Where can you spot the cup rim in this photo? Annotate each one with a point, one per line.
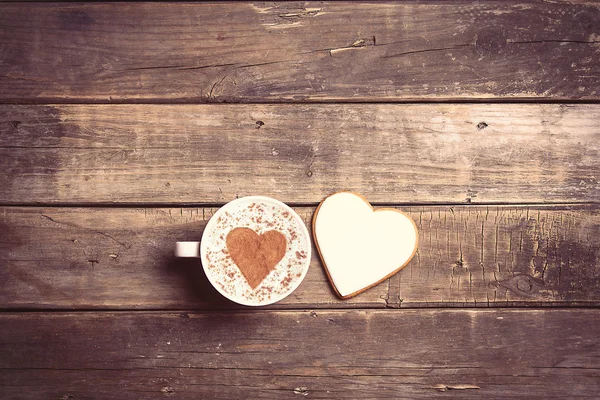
(211, 225)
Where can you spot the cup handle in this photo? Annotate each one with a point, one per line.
(187, 249)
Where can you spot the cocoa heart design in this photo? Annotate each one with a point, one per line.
(359, 246)
(255, 255)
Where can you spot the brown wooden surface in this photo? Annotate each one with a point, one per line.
(182, 154)
(550, 354)
(113, 258)
(493, 152)
(299, 51)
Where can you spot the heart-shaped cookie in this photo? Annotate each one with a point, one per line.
(255, 255)
(359, 246)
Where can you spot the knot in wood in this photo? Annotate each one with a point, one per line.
(492, 42)
(585, 21)
(524, 285)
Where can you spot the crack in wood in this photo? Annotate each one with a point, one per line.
(87, 229)
(427, 50)
(25, 78)
(179, 67)
(307, 12)
(265, 63)
(443, 387)
(552, 41)
(210, 94)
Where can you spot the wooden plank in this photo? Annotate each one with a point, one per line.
(299, 51)
(194, 154)
(502, 256)
(123, 258)
(550, 354)
(475, 256)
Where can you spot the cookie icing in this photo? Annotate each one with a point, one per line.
(360, 246)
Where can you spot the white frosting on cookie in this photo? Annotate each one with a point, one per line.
(361, 247)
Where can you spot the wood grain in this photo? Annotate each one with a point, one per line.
(299, 51)
(94, 196)
(474, 256)
(89, 258)
(502, 256)
(199, 154)
(551, 354)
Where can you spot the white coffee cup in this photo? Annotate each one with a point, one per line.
(260, 214)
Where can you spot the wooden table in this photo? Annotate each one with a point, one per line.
(124, 126)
